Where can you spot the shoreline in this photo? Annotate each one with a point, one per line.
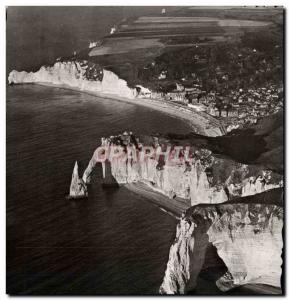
(201, 122)
(174, 207)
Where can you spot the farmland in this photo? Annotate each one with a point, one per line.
(138, 42)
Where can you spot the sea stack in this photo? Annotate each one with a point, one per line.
(78, 188)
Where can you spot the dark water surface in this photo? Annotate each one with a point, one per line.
(113, 243)
(37, 35)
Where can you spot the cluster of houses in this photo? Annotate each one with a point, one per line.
(237, 108)
(219, 93)
(246, 106)
(180, 94)
(243, 106)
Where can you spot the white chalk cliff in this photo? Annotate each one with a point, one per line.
(181, 180)
(248, 238)
(72, 74)
(187, 180)
(86, 76)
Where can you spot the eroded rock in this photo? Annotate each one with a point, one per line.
(203, 178)
(77, 187)
(247, 236)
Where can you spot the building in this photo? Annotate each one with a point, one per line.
(163, 75)
(113, 30)
(94, 44)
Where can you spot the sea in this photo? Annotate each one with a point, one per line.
(115, 242)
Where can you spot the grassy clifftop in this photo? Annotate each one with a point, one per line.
(260, 145)
(135, 44)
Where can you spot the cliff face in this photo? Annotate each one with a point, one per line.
(87, 76)
(178, 180)
(195, 179)
(245, 230)
(247, 236)
(188, 181)
(74, 74)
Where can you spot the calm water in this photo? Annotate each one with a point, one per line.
(38, 35)
(113, 243)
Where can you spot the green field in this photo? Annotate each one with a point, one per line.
(137, 42)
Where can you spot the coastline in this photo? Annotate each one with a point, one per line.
(196, 120)
(175, 207)
(202, 123)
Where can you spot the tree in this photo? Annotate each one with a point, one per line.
(228, 107)
(219, 106)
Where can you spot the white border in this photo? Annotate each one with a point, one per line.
(3, 99)
(148, 3)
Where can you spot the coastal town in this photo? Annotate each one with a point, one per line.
(237, 109)
(236, 79)
(144, 150)
(237, 82)
(238, 93)
(243, 86)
